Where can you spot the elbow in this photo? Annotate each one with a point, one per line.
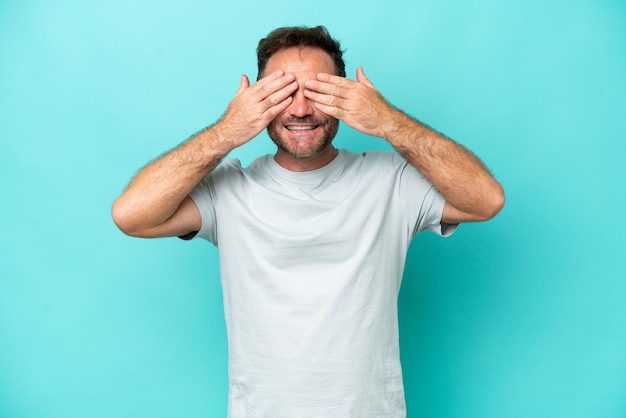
(494, 203)
(122, 218)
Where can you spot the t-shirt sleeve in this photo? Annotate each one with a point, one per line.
(205, 197)
(424, 203)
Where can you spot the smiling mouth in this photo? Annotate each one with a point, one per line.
(300, 128)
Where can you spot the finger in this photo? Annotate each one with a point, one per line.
(273, 111)
(324, 99)
(326, 87)
(334, 79)
(271, 84)
(332, 111)
(362, 78)
(282, 94)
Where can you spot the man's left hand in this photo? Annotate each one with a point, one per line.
(357, 103)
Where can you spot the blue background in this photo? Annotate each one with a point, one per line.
(523, 316)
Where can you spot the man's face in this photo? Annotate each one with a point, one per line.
(302, 131)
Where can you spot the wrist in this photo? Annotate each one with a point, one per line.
(205, 149)
(220, 139)
(398, 127)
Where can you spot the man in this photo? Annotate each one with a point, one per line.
(312, 240)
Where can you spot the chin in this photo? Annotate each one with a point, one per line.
(301, 145)
(305, 149)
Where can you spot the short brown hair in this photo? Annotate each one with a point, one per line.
(294, 36)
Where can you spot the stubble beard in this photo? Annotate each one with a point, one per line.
(329, 126)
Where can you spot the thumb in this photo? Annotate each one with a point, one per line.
(245, 83)
(361, 78)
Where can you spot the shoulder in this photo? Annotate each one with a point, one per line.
(232, 167)
(377, 159)
(230, 173)
(227, 165)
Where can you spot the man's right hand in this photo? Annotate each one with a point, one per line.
(254, 107)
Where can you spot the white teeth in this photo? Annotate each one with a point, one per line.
(299, 128)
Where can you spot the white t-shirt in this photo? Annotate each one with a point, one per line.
(311, 265)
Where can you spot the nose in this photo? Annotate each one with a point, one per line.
(300, 106)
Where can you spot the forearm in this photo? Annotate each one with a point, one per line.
(157, 191)
(457, 173)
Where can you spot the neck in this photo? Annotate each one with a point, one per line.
(300, 164)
